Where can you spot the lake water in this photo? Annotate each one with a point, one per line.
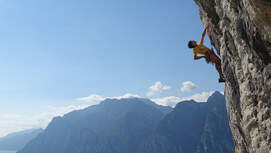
(7, 151)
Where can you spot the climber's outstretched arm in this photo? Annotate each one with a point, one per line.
(198, 57)
(203, 35)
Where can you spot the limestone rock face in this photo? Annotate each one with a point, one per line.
(241, 33)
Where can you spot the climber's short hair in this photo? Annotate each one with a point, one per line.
(190, 44)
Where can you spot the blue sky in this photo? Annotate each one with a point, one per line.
(55, 51)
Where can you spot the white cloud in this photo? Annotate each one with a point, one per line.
(92, 99)
(188, 86)
(172, 100)
(167, 101)
(128, 95)
(96, 99)
(158, 87)
(199, 97)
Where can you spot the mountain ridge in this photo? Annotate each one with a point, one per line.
(126, 125)
(190, 128)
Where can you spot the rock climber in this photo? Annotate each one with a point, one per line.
(207, 53)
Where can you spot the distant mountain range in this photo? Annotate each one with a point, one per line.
(18, 140)
(139, 126)
(193, 128)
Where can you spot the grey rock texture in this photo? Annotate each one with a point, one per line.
(241, 34)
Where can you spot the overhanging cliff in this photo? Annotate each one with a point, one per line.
(241, 33)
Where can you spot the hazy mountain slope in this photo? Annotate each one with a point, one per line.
(164, 109)
(193, 128)
(18, 140)
(114, 126)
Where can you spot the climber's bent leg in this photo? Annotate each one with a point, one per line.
(216, 60)
(218, 68)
